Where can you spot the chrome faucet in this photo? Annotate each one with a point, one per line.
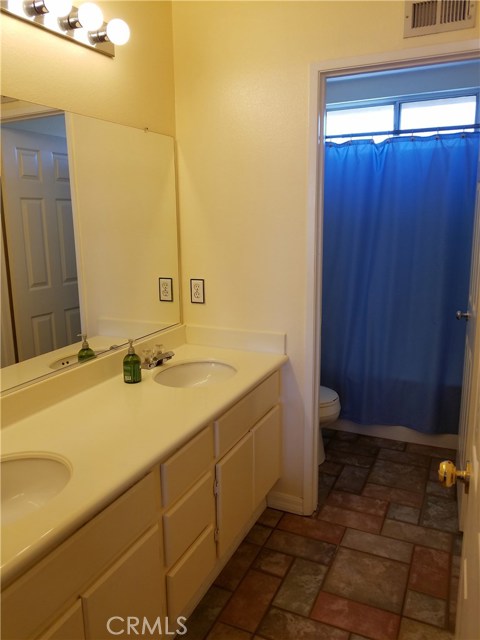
(156, 357)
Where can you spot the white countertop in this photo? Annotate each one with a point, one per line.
(111, 435)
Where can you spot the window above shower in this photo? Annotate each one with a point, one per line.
(420, 117)
(442, 98)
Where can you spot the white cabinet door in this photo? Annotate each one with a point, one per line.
(267, 454)
(69, 625)
(132, 588)
(234, 475)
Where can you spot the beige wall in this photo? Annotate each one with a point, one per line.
(135, 88)
(242, 92)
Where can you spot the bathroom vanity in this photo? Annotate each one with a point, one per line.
(165, 481)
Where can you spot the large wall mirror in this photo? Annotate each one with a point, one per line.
(89, 237)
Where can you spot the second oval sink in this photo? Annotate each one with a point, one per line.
(195, 374)
(28, 483)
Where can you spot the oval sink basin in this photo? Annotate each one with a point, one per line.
(28, 483)
(195, 374)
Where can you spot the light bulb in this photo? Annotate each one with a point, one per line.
(90, 16)
(17, 7)
(58, 8)
(118, 31)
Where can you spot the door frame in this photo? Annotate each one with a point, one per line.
(319, 72)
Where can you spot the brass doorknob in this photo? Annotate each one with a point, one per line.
(448, 473)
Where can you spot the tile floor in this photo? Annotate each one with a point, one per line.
(378, 560)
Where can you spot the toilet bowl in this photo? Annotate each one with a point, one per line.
(328, 412)
(328, 406)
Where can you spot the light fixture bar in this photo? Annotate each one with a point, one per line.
(69, 27)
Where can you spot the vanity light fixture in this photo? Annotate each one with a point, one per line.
(88, 16)
(57, 8)
(85, 25)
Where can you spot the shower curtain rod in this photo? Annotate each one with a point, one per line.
(404, 132)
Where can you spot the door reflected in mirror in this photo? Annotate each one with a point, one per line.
(89, 225)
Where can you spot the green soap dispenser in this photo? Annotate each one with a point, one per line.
(132, 370)
(85, 352)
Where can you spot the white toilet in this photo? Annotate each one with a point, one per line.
(328, 412)
(328, 406)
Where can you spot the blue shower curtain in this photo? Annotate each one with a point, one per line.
(398, 219)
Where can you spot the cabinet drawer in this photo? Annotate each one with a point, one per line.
(267, 452)
(186, 520)
(190, 572)
(234, 424)
(184, 468)
(44, 589)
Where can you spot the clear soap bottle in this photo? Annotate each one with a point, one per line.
(132, 370)
(85, 352)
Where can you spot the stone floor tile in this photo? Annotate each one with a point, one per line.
(224, 632)
(290, 543)
(301, 586)
(359, 446)
(363, 504)
(272, 562)
(332, 468)
(249, 603)
(270, 517)
(354, 459)
(258, 534)
(430, 571)
(405, 457)
(440, 513)
(455, 566)
(312, 528)
(355, 617)
(457, 544)
(452, 603)
(363, 577)
(385, 443)
(353, 519)
(403, 513)
(201, 620)
(434, 452)
(401, 496)
(400, 476)
(346, 435)
(435, 488)
(425, 608)
(238, 565)
(413, 630)
(352, 479)
(325, 485)
(285, 625)
(378, 545)
(419, 535)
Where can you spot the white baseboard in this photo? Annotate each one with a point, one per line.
(444, 440)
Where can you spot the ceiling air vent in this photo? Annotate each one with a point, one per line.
(434, 16)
